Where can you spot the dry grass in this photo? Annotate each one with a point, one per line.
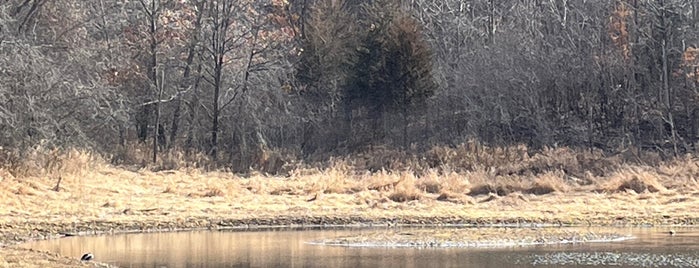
(140, 155)
(334, 180)
(430, 185)
(548, 183)
(557, 186)
(636, 179)
(41, 162)
(405, 189)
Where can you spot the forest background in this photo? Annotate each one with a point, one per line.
(267, 84)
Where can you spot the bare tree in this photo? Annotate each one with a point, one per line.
(152, 9)
(232, 31)
(187, 77)
(49, 96)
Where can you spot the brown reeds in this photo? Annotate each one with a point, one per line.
(443, 174)
(635, 178)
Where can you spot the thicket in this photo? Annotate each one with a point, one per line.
(371, 67)
(257, 84)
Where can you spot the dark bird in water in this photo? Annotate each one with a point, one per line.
(87, 256)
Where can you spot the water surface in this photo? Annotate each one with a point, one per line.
(290, 248)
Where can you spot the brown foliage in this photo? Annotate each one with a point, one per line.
(618, 29)
(500, 190)
(637, 186)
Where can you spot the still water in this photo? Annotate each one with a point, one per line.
(290, 248)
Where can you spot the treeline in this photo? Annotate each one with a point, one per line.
(238, 80)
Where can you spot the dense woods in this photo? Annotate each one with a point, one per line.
(253, 83)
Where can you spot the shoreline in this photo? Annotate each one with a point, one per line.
(14, 233)
(14, 254)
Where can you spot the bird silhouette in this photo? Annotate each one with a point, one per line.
(87, 256)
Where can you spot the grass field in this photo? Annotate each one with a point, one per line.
(556, 186)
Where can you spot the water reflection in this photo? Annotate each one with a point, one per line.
(288, 248)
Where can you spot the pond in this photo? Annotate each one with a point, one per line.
(295, 248)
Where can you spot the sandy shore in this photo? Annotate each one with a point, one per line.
(105, 199)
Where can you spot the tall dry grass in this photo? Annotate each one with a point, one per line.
(262, 159)
(442, 173)
(141, 155)
(43, 162)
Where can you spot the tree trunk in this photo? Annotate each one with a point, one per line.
(405, 126)
(187, 73)
(152, 71)
(158, 132)
(347, 113)
(216, 112)
(666, 97)
(175, 125)
(665, 94)
(491, 22)
(142, 118)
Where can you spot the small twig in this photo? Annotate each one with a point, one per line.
(58, 184)
(173, 97)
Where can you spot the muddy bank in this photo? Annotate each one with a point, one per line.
(20, 257)
(12, 233)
